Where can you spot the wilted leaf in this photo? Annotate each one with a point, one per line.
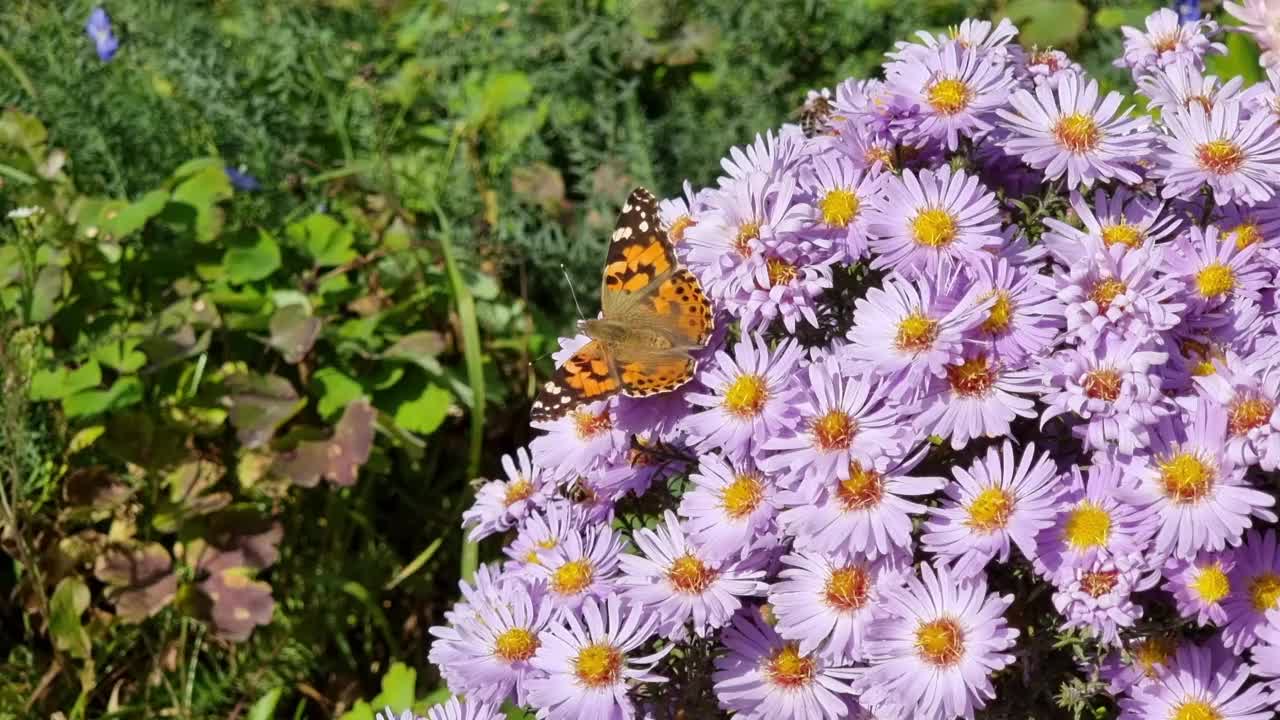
(294, 331)
(237, 538)
(337, 459)
(251, 257)
(420, 348)
(259, 405)
(188, 486)
(179, 344)
(321, 237)
(234, 603)
(94, 487)
(141, 579)
(540, 185)
(70, 600)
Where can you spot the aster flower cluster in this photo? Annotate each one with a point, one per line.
(996, 359)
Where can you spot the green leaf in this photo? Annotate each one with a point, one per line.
(125, 392)
(134, 216)
(58, 383)
(322, 238)
(504, 91)
(251, 257)
(293, 331)
(398, 686)
(121, 355)
(1241, 60)
(201, 192)
(419, 406)
(336, 391)
(265, 707)
(44, 296)
(1048, 22)
(70, 600)
(1113, 18)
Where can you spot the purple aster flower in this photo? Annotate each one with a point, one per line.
(485, 651)
(1250, 393)
(868, 513)
(749, 398)
(728, 508)
(539, 534)
(500, 504)
(1179, 86)
(933, 221)
(468, 709)
(583, 565)
(763, 676)
(1200, 585)
(1168, 42)
(935, 651)
(980, 398)
(586, 664)
(1095, 521)
(990, 41)
(1120, 291)
(1261, 19)
(826, 602)
(786, 286)
(583, 440)
(680, 213)
(1255, 589)
(242, 180)
(1247, 225)
(1200, 497)
(1143, 661)
(770, 154)
(1266, 654)
(998, 499)
(678, 582)
(1111, 385)
(1023, 319)
(1122, 218)
(908, 332)
(843, 418)
(955, 88)
(1201, 684)
(1047, 67)
(1239, 159)
(842, 195)
(1073, 135)
(1213, 270)
(98, 28)
(1097, 597)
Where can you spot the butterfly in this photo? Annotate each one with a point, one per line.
(654, 316)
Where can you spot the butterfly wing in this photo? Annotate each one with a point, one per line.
(640, 256)
(588, 375)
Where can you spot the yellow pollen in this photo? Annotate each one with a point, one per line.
(839, 207)
(990, 511)
(1001, 316)
(1204, 368)
(519, 490)
(880, 154)
(1105, 291)
(1186, 478)
(916, 333)
(847, 588)
(516, 645)
(591, 424)
(742, 496)
(1099, 582)
(940, 642)
(781, 272)
(572, 577)
(598, 665)
(934, 228)
(746, 233)
(689, 575)
(1215, 279)
(1154, 651)
(746, 396)
(1220, 157)
(532, 558)
(682, 223)
(971, 378)
(1103, 384)
(863, 489)
(1246, 234)
(1264, 591)
(789, 669)
(1124, 234)
(548, 544)
(834, 431)
(1088, 526)
(1196, 710)
(1077, 132)
(1247, 413)
(1211, 583)
(949, 96)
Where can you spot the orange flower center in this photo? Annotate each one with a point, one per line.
(915, 333)
(1264, 591)
(1104, 291)
(848, 588)
(519, 490)
(780, 272)
(1077, 132)
(834, 431)
(747, 232)
(591, 424)
(690, 575)
(598, 665)
(997, 323)
(1186, 478)
(1246, 234)
(863, 489)
(789, 669)
(742, 496)
(516, 645)
(1103, 384)
(940, 642)
(1152, 652)
(1221, 157)
(1099, 582)
(1247, 413)
(971, 378)
(682, 223)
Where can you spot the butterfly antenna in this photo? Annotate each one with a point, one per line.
(572, 294)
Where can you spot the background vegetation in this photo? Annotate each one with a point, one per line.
(240, 417)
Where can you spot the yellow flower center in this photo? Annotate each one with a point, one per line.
(591, 424)
(516, 645)
(863, 489)
(933, 228)
(971, 378)
(1088, 526)
(1104, 291)
(834, 431)
(1221, 157)
(746, 396)
(1215, 279)
(742, 496)
(747, 232)
(1103, 384)
(1099, 582)
(780, 272)
(1196, 710)
(949, 96)
(839, 207)
(1264, 591)
(1186, 478)
(990, 510)
(1246, 234)
(690, 575)
(682, 223)
(997, 323)
(598, 665)
(1211, 583)
(1124, 234)
(1152, 652)
(1077, 132)
(880, 154)
(1247, 413)
(519, 490)
(788, 668)
(848, 587)
(940, 642)
(572, 577)
(915, 333)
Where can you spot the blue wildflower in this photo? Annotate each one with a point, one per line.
(1188, 10)
(241, 180)
(99, 30)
